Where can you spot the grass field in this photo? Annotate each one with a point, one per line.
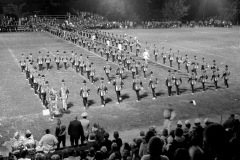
(21, 109)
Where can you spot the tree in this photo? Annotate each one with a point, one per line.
(229, 10)
(175, 9)
(15, 9)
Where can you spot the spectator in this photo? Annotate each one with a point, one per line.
(125, 151)
(229, 122)
(117, 140)
(179, 124)
(197, 135)
(28, 141)
(40, 156)
(92, 142)
(48, 142)
(91, 154)
(23, 155)
(115, 153)
(181, 154)
(61, 134)
(164, 135)
(104, 152)
(70, 155)
(98, 156)
(85, 124)
(75, 130)
(143, 147)
(55, 157)
(196, 153)
(155, 147)
(106, 142)
(142, 135)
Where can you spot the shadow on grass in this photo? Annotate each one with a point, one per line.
(145, 94)
(160, 93)
(125, 96)
(90, 102)
(108, 100)
(70, 105)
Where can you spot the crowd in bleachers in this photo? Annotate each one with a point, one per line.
(185, 141)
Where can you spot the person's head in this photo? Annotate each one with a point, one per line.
(196, 153)
(116, 135)
(148, 136)
(181, 154)
(104, 149)
(126, 146)
(187, 124)
(165, 132)
(178, 132)
(24, 153)
(155, 147)
(47, 131)
(40, 156)
(84, 115)
(28, 134)
(114, 147)
(91, 152)
(106, 135)
(142, 134)
(55, 157)
(76, 118)
(16, 135)
(98, 156)
(92, 137)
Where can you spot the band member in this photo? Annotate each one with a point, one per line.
(138, 46)
(225, 76)
(155, 52)
(177, 81)
(214, 67)
(40, 61)
(53, 102)
(192, 80)
(88, 67)
(164, 56)
(137, 86)
(170, 57)
(133, 68)
(102, 91)
(92, 73)
(204, 65)
(81, 64)
(179, 61)
(144, 69)
(48, 61)
(153, 84)
(203, 79)
(84, 92)
(101, 50)
(63, 94)
(118, 83)
(128, 61)
(114, 52)
(169, 83)
(195, 67)
(107, 52)
(65, 60)
(72, 58)
(57, 60)
(146, 56)
(187, 63)
(76, 62)
(22, 63)
(131, 46)
(120, 70)
(215, 77)
(44, 88)
(30, 57)
(107, 68)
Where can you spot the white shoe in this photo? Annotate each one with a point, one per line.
(102, 105)
(153, 98)
(117, 102)
(137, 100)
(109, 82)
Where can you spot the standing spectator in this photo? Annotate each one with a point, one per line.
(143, 147)
(48, 142)
(75, 130)
(62, 136)
(117, 140)
(85, 124)
(229, 122)
(155, 147)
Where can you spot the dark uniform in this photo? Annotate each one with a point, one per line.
(65, 60)
(102, 91)
(153, 84)
(57, 60)
(187, 64)
(107, 69)
(177, 81)
(92, 73)
(40, 61)
(48, 61)
(84, 92)
(137, 86)
(215, 77)
(192, 80)
(30, 57)
(225, 76)
(118, 83)
(144, 69)
(203, 79)
(169, 83)
(155, 52)
(128, 61)
(22, 63)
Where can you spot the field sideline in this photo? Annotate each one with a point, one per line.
(21, 109)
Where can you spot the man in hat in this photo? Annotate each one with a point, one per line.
(144, 69)
(179, 60)
(203, 79)
(169, 83)
(84, 92)
(75, 131)
(214, 67)
(120, 70)
(22, 63)
(85, 124)
(215, 77)
(48, 60)
(164, 56)
(177, 81)
(204, 65)
(81, 63)
(40, 61)
(179, 124)
(187, 63)
(30, 57)
(92, 73)
(64, 60)
(138, 46)
(88, 67)
(72, 58)
(102, 91)
(128, 61)
(44, 89)
(118, 83)
(137, 86)
(192, 80)
(170, 57)
(57, 60)
(146, 56)
(63, 93)
(153, 81)
(155, 52)
(107, 68)
(225, 75)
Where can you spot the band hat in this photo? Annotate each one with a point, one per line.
(187, 122)
(179, 123)
(84, 114)
(197, 121)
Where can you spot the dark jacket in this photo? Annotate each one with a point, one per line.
(75, 129)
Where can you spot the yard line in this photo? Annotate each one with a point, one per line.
(71, 68)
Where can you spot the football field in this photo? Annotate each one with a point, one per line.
(21, 109)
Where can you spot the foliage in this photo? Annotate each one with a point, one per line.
(15, 9)
(229, 10)
(175, 9)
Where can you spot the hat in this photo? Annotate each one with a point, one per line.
(187, 122)
(179, 123)
(84, 81)
(84, 114)
(43, 76)
(169, 71)
(57, 51)
(63, 80)
(39, 52)
(103, 149)
(206, 120)
(28, 132)
(151, 72)
(197, 120)
(46, 82)
(102, 78)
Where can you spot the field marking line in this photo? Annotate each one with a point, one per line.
(70, 67)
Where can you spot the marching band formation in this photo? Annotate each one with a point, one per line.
(124, 52)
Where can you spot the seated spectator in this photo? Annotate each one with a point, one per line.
(98, 156)
(69, 155)
(115, 153)
(17, 142)
(48, 142)
(196, 153)
(117, 140)
(40, 156)
(23, 155)
(143, 147)
(153, 129)
(155, 150)
(104, 152)
(91, 154)
(106, 142)
(92, 142)
(181, 154)
(125, 151)
(28, 141)
(55, 157)
(164, 135)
